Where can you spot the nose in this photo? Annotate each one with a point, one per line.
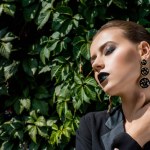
(98, 64)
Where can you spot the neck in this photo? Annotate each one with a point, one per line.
(134, 100)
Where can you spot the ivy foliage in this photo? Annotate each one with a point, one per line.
(46, 80)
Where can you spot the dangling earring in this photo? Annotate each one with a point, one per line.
(144, 82)
(110, 104)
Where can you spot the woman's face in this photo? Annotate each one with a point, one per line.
(115, 61)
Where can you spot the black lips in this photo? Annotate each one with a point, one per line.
(102, 76)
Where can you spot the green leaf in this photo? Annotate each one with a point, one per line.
(33, 114)
(59, 48)
(82, 95)
(77, 40)
(45, 53)
(90, 92)
(75, 23)
(8, 37)
(58, 21)
(30, 12)
(90, 81)
(32, 133)
(69, 115)
(40, 122)
(51, 121)
(18, 107)
(30, 66)
(41, 92)
(54, 127)
(29, 120)
(27, 2)
(44, 16)
(55, 71)
(60, 59)
(34, 146)
(77, 79)
(78, 17)
(43, 132)
(3, 90)
(66, 132)
(90, 34)
(1, 9)
(64, 10)
(55, 36)
(65, 93)
(53, 45)
(85, 51)
(143, 21)
(77, 104)
(9, 9)
(66, 26)
(40, 106)
(7, 145)
(148, 29)
(5, 49)
(26, 92)
(76, 52)
(48, 147)
(45, 69)
(10, 70)
(26, 103)
(3, 32)
(44, 40)
(54, 138)
(120, 3)
(62, 107)
(19, 134)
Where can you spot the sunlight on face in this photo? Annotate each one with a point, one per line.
(115, 61)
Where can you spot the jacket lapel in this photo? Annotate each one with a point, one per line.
(115, 124)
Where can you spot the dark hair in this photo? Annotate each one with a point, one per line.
(133, 31)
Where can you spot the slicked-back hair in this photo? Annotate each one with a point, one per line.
(131, 30)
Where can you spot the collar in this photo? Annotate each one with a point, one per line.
(115, 124)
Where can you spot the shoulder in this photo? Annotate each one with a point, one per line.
(100, 115)
(95, 116)
(92, 124)
(93, 121)
(99, 118)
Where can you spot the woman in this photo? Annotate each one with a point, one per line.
(120, 58)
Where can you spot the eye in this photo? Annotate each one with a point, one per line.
(109, 50)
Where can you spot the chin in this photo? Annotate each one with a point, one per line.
(110, 90)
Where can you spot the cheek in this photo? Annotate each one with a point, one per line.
(129, 57)
(126, 59)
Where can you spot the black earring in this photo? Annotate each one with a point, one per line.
(144, 71)
(144, 82)
(143, 62)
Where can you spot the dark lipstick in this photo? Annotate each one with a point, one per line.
(102, 76)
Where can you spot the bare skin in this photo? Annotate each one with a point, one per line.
(113, 53)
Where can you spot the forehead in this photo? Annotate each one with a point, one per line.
(112, 34)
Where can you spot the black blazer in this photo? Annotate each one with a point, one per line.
(105, 131)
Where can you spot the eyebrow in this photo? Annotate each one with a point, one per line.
(102, 47)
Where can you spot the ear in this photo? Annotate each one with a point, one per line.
(144, 50)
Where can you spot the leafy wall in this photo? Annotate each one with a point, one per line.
(46, 80)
